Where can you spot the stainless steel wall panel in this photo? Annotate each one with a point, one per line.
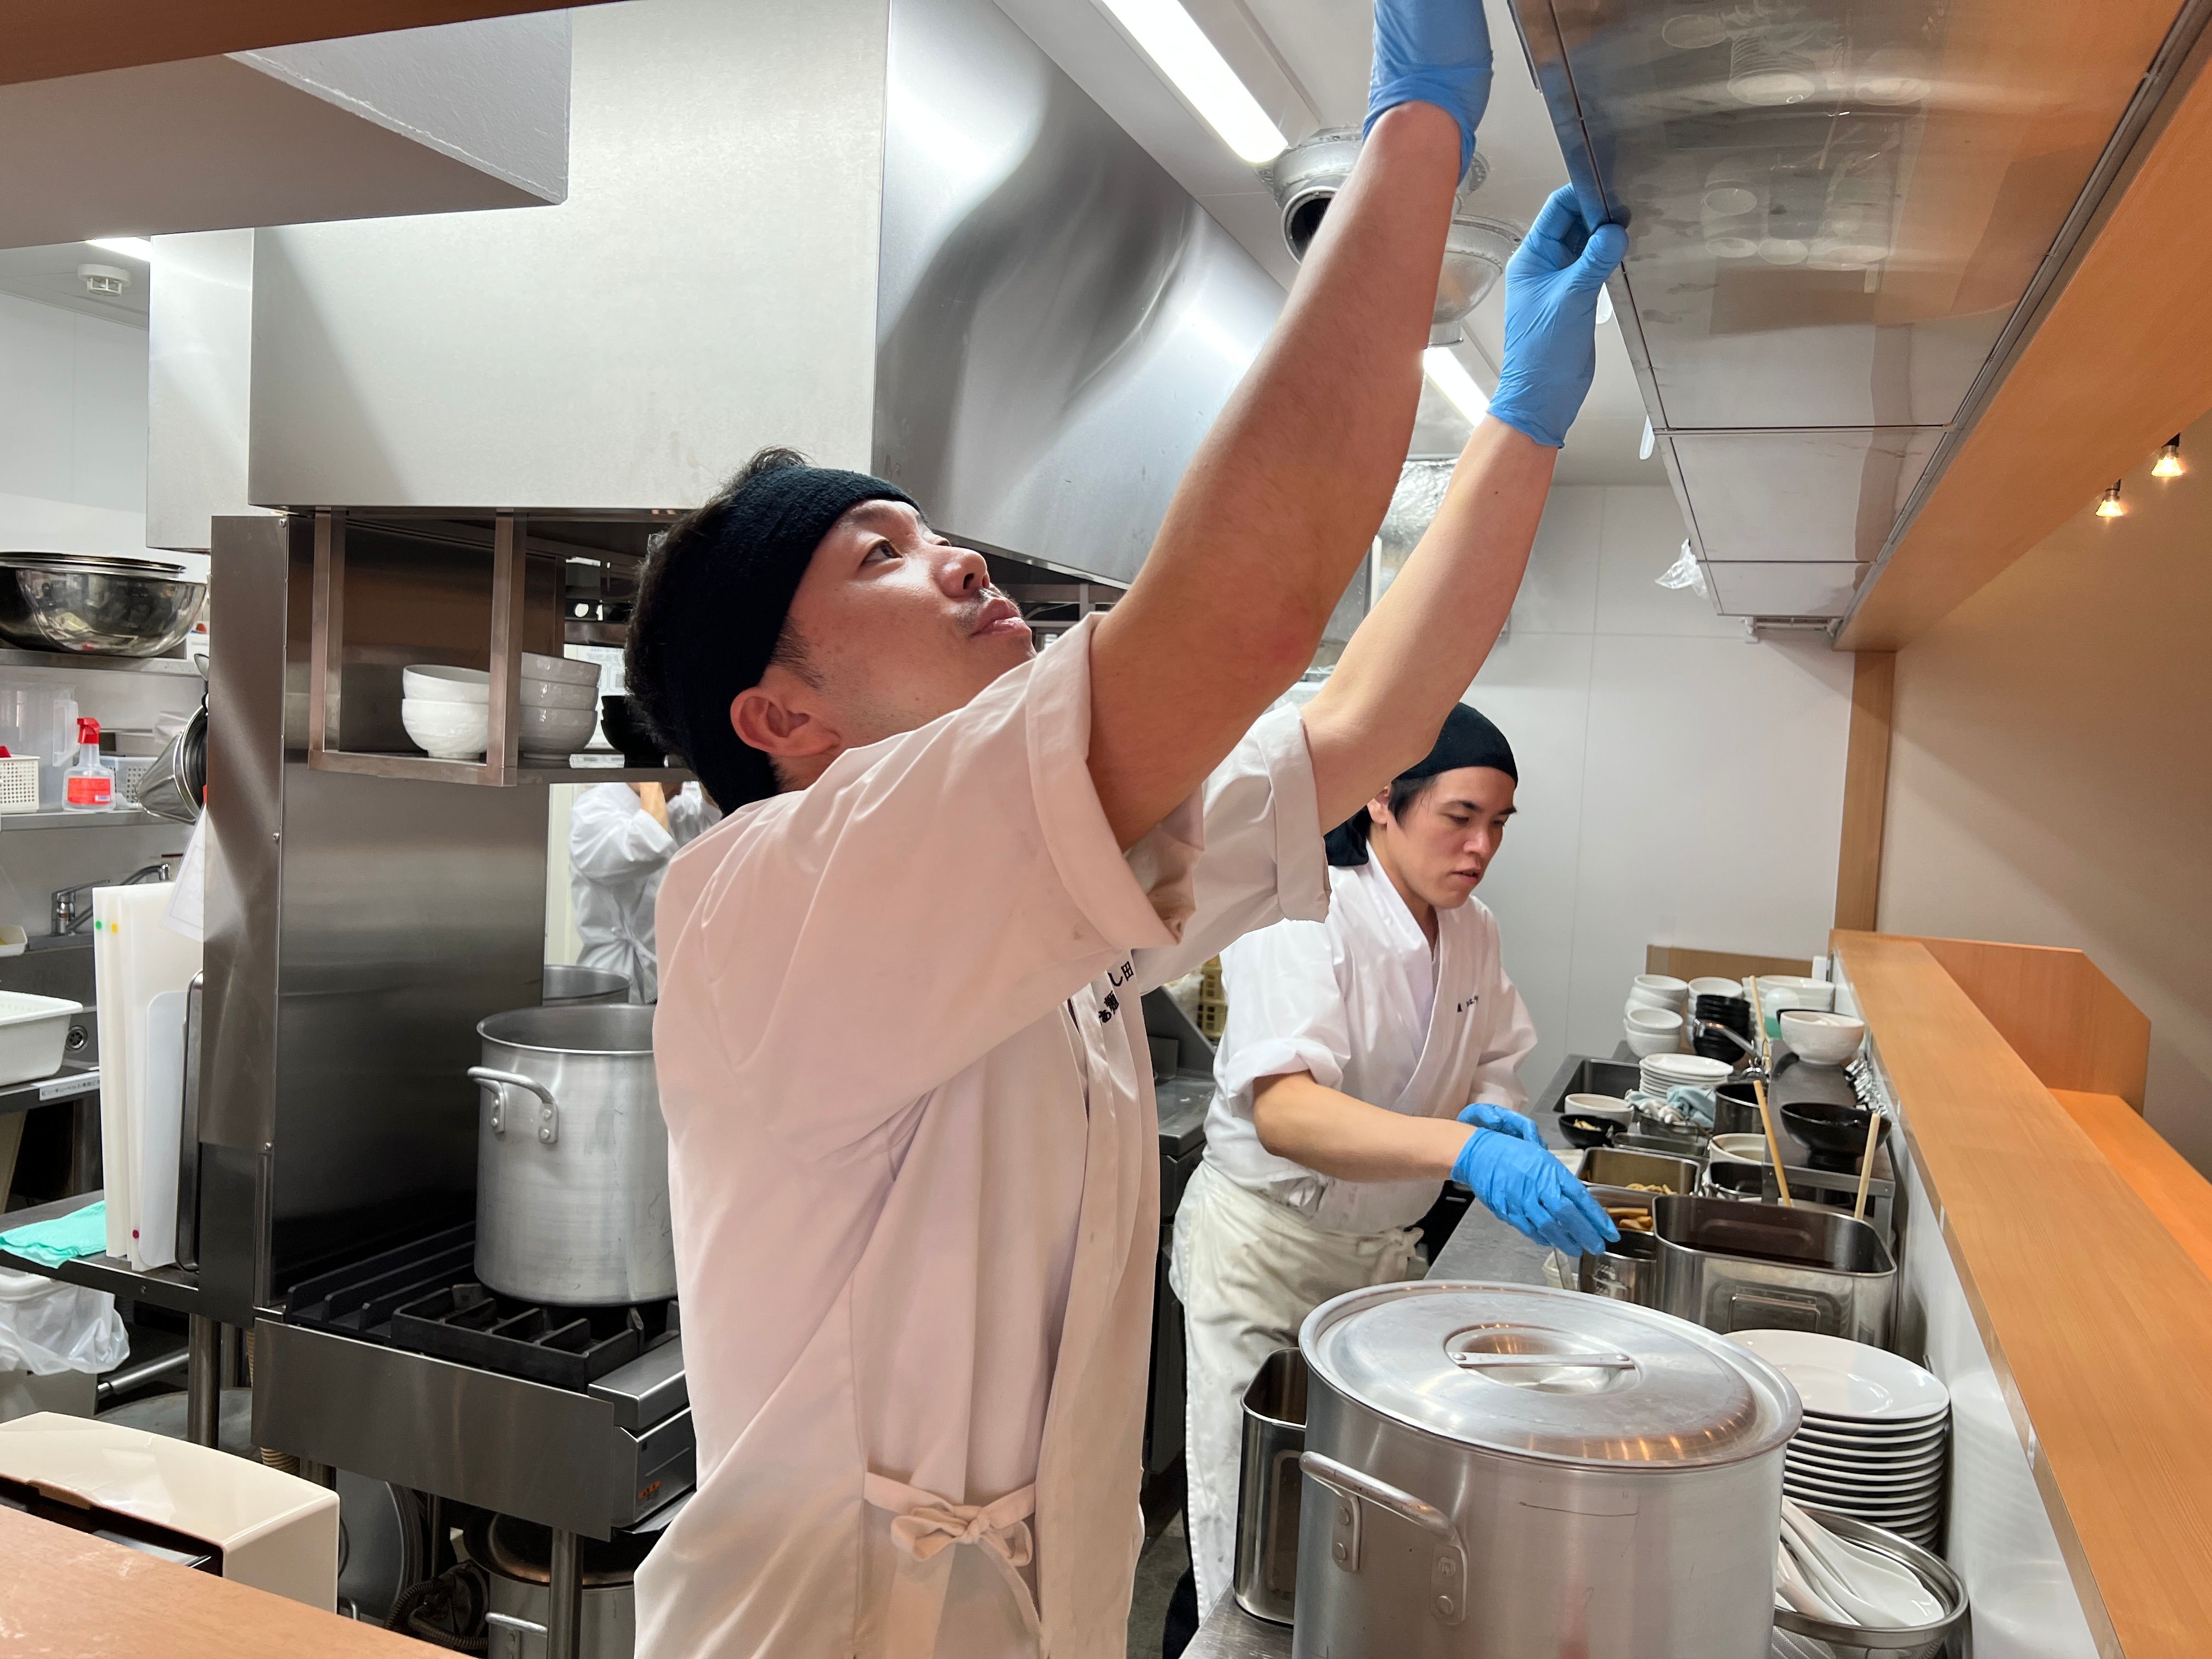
(1821, 495)
(1058, 323)
(1837, 210)
(1784, 589)
(707, 287)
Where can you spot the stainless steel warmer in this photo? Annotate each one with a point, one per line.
(572, 1159)
(1501, 1470)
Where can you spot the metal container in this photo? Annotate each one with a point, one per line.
(1736, 1266)
(1503, 1470)
(1614, 1166)
(1907, 1642)
(1627, 1270)
(567, 985)
(516, 1561)
(1268, 1486)
(572, 1159)
(94, 603)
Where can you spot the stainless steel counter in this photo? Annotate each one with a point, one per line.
(1481, 1248)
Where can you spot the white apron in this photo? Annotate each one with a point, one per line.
(1360, 1002)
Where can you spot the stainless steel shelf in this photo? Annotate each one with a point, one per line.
(526, 771)
(56, 818)
(75, 1078)
(164, 1287)
(75, 661)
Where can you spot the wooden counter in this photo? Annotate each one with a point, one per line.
(2093, 1313)
(71, 1596)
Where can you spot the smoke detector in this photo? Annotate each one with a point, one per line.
(1306, 178)
(107, 280)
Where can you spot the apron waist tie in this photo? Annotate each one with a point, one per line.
(923, 1525)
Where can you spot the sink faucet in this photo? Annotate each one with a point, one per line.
(69, 918)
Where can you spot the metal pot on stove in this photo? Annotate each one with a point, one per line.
(572, 1157)
(1500, 1470)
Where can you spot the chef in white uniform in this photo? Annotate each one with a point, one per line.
(914, 1168)
(621, 837)
(1359, 1052)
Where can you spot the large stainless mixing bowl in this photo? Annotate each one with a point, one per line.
(114, 607)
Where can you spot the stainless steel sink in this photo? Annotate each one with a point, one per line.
(1585, 1074)
(59, 967)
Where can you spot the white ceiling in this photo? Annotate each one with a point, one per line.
(48, 274)
(1307, 61)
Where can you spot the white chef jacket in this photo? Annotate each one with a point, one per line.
(915, 1174)
(618, 851)
(1361, 1002)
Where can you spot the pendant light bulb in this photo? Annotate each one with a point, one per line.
(2111, 506)
(2168, 464)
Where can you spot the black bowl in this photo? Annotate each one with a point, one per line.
(1826, 1127)
(625, 730)
(1583, 1130)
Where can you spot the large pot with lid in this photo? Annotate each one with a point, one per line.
(1498, 1471)
(572, 1157)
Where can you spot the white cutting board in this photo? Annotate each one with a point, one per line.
(134, 959)
(161, 1132)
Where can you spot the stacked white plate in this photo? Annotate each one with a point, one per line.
(1660, 1073)
(1875, 1441)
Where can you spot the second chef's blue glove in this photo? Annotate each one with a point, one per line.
(1551, 285)
(1504, 1119)
(1527, 1187)
(1432, 51)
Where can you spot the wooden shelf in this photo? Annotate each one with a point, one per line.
(2097, 1323)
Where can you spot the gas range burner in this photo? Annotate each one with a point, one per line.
(425, 1295)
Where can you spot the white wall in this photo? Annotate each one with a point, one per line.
(1679, 786)
(72, 431)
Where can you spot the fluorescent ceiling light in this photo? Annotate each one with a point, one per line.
(131, 247)
(1180, 51)
(1449, 376)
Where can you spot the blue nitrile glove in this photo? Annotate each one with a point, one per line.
(1551, 285)
(1504, 1119)
(1432, 51)
(1527, 1187)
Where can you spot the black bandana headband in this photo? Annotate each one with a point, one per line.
(1468, 739)
(731, 594)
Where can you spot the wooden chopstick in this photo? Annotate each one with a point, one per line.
(1759, 1091)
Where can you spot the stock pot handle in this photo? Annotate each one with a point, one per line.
(1447, 1573)
(549, 1109)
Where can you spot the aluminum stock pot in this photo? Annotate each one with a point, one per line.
(1502, 1471)
(572, 1157)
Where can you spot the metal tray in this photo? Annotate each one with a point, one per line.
(1615, 1166)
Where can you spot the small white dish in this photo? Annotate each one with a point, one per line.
(1655, 1020)
(1693, 1069)
(1644, 1044)
(1715, 988)
(1839, 1377)
(1666, 987)
(446, 730)
(1610, 1106)
(432, 682)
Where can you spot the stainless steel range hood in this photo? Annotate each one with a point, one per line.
(890, 232)
(1841, 213)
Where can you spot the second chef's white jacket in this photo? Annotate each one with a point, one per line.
(618, 853)
(915, 1170)
(1362, 1003)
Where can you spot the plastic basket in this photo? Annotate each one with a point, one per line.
(19, 783)
(130, 771)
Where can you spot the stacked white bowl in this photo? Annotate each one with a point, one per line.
(1656, 1020)
(560, 705)
(1875, 1441)
(448, 711)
